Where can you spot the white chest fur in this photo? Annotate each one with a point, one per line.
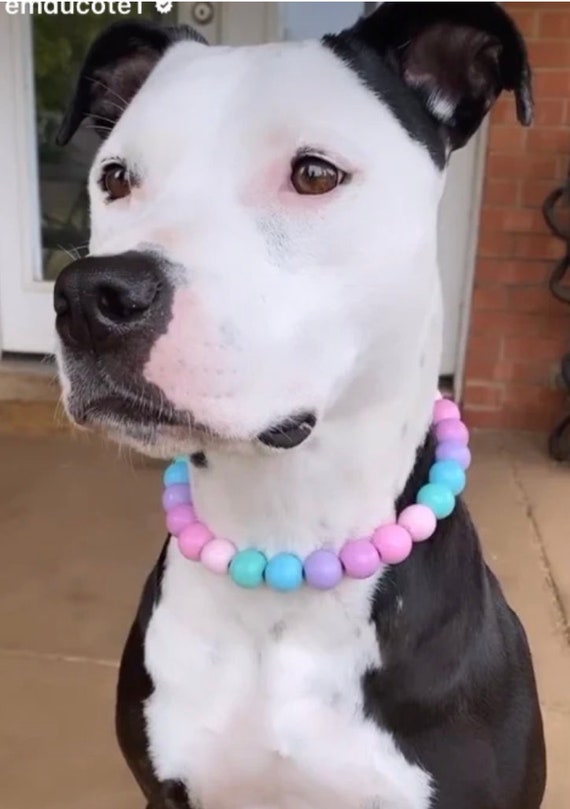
(258, 703)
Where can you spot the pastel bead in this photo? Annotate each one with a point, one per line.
(179, 517)
(284, 572)
(452, 430)
(217, 554)
(247, 567)
(176, 495)
(393, 543)
(323, 570)
(192, 539)
(359, 558)
(454, 451)
(176, 473)
(445, 409)
(449, 474)
(419, 521)
(438, 498)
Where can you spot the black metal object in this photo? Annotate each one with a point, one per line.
(559, 284)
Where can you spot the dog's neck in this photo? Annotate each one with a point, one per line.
(342, 484)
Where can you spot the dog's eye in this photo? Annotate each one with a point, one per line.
(313, 175)
(115, 181)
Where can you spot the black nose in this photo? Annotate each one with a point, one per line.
(101, 299)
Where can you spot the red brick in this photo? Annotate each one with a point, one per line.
(495, 325)
(494, 243)
(549, 140)
(551, 83)
(528, 166)
(534, 192)
(548, 53)
(483, 395)
(510, 139)
(554, 24)
(511, 271)
(531, 348)
(534, 372)
(535, 245)
(513, 220)
(501, 192)
(536, 299)
(490, 298)
(550, 112)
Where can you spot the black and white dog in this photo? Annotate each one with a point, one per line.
(262, 293)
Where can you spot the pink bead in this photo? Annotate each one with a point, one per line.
(452, 430)
(179, 517)
(419, 521)
(217, 554)
(359, 558)
(393, 543)
(445, 409)
(438, 396)
(192, 539)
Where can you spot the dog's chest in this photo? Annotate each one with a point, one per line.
(257, 699)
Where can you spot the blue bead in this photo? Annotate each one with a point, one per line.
(246, 568)
(284, 572)
(176, 473)
(437, 497)
(449, 473)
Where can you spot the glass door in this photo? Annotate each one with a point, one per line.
(44, 220)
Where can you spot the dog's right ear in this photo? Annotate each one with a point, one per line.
(115, 68)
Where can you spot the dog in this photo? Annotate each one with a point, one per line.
(262, 295)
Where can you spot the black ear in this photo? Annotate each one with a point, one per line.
(457, 57)
(116, 66)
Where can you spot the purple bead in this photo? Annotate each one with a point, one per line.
(359, 558)
(179, 517)
(322, 569)
(452, 430)
(454, 451)
(176, 495)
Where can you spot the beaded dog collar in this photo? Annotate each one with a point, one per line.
(323, 569)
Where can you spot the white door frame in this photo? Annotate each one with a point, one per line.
(24, 299)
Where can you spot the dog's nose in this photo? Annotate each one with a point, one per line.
(102, 299)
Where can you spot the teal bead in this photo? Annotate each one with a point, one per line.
(247, 567)
(438, 498)
(176, 473)
(284, 572)
(448, 473)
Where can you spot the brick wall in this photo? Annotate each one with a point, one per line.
(518, 331)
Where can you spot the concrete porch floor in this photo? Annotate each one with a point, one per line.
(79, 532)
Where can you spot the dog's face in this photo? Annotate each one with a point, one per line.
(264, 221)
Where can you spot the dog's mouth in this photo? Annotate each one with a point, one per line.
(146, 420)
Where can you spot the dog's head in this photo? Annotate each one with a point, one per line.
(263, 248)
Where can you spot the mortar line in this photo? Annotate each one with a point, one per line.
(57, 657)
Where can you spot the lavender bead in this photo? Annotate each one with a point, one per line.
(454, 451)
(176, 495)
(452, 430)
(323, 570)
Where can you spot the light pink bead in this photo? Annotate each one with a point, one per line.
(179, 517)
(419, 521)
(393, 543)
(445, 409)
(452, 430)
(192, 539)
(217, 554)
(438, 396)
(359, 558)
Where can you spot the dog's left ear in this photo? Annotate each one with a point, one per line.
(458, 57)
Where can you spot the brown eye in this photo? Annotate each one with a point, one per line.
(313, 175)
(115, 181)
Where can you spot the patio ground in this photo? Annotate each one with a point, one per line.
(79, 531)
